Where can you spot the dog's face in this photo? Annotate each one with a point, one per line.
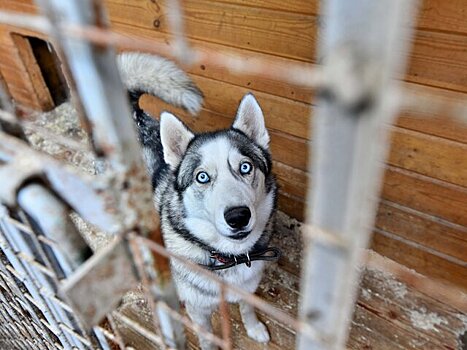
(223, 178)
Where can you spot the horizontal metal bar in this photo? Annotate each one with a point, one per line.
(252, 299)
(138, 328)
(33, 262)
(107, 334)
(72, 332)
(95, 204)
(324, 237)
(193, 326)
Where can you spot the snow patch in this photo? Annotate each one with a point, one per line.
(426, 320)
(398, 288)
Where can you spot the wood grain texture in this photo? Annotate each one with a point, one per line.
(420, 260)
(284, 34)
(435, 198)
(291, 35)
(428, 155)
(34, 72)
(439, 235)
(439, 59)
(448, 16)
(434, 123)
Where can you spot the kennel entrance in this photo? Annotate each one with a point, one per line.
(48, 276)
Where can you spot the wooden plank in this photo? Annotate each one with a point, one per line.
(444, 237)
(292, 180)
(284, 34)
(443, 15)
(24, 97)
(273, 87)
(422, 261)
(426, 230)
(383, 317)
(9, 58)
(439, 59)
(441, 126)
(369, 331)
(434, 122)
(281, 114)
(306, 7)
(411, 119)
(425, 195)
(285, 148)
(288, 35)
(291, 205)
(17, 78)
(428, 155)
(24, 6)
(34, 73)
(392, 299)
(433, 14)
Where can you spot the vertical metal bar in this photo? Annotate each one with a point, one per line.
(364, 45)
(105, 101)
(177, 27)
(226, 324)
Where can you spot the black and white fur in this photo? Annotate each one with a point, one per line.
(193, 213)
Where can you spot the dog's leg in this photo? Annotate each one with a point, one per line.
(202, 317)
(255, 328)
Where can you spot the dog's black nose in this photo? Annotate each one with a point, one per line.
(237, 217)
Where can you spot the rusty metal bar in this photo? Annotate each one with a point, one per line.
(252, 299)
(139, 328)
(361, 56)
(225, 320)
(116, 337)
(177, 27)
(186, 321)
(148, 283)
(94, 70)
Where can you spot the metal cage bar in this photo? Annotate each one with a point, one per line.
(363, 54)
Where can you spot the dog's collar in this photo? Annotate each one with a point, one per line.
(227, 261)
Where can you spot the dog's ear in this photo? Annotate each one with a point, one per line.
(250, 120)
(175, 137)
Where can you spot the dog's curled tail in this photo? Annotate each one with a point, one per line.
(145, 73)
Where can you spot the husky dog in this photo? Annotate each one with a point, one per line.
(214, 191)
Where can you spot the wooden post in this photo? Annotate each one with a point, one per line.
(363, 46)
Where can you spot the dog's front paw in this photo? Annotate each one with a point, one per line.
(259, 333)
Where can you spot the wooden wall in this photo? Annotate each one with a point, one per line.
(422, 217)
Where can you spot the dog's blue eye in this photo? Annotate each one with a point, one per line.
(202, 177)
(245, 168)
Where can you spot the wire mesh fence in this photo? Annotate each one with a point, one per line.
(58, 294)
